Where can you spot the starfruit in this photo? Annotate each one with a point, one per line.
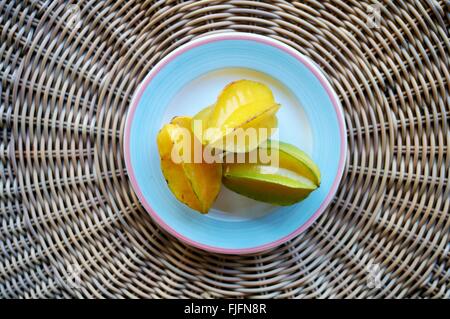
(290, 180)
(242, 117)
(194, 184)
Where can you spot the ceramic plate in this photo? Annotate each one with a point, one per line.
(190, 78)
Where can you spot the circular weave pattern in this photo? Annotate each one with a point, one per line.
(71, 226)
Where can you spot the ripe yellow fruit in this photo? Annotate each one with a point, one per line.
(194, 184)
(239, 125)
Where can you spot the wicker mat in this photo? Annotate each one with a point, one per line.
(71, 226)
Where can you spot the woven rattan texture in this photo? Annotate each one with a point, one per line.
(71, 226)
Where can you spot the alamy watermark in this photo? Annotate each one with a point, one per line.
(374, 16)
(73, 20)
(374, 276)
(227, 145)
(69, 276)
(73, 276)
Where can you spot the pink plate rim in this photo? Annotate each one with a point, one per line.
(249, 37)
